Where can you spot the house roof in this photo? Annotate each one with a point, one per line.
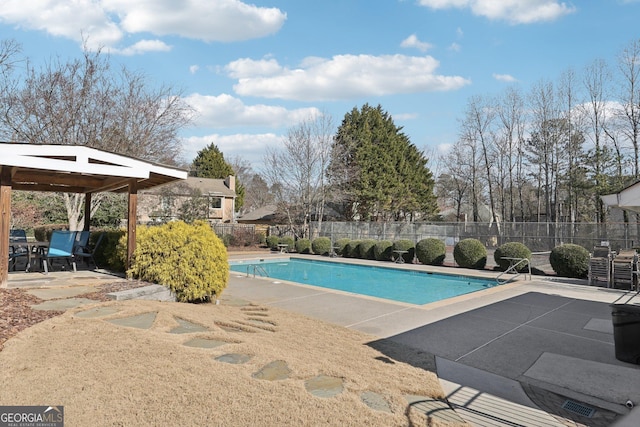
(80, 169)
(265, 213)
(206, 186)
(627, 199)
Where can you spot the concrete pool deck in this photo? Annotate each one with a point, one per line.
(501, 354)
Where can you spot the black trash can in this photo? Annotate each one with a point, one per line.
(626, 332)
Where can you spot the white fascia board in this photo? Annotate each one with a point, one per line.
(34, 162)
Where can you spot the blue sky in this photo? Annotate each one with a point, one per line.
(253, 70)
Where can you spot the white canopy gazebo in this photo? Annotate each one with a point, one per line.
(74, 169)
(627, 199)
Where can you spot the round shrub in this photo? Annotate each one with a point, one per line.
(382, 250)
(272, 242)
(431, 251)
(405, 245)
(351, 249)
(188, 258)
(287, 240)
(365, 249)
(340, 245)
(303, 246)
(512, 250)
(570, 260)
(321, 246)
(470, 253)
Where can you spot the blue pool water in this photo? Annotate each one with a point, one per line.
(410, 286)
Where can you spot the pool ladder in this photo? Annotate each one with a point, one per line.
(513, 268)
(258, 270)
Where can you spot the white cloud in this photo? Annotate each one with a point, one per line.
(504, 78)
(225, 111)
(455, 47)
(105, 23)
(512, 11)
(413, 41)
(251, 147)
(405, 116)
(341, 77)
(194, 69)
(144, 46)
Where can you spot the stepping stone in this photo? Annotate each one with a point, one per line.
(63, 304)
(141, 321)
(229, 328)
(375, 401)
(204, 343)
(324, 386)
(186, 327)
(54, 293)
(276, 370)
(234, 358)
(97, 312)
(260, 322)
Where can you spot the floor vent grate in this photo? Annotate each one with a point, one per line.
(578, 408)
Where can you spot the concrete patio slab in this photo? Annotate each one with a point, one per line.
(611, 383)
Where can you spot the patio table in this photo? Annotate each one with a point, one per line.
(32, 249)
(400, 256)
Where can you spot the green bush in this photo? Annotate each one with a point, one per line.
(570, 260)
(365, 249)
(303, 246)
(340, 245)
(382, 250)
(431, 251)
(470, 253)
(112, 252)
(351, 249)
(321, 246)
(42, 233)
(188, 258)
(272, 242)
(405, 245)
(287, 240)
(512, 250)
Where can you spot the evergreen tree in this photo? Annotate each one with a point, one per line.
(375, 171)
(210, 163)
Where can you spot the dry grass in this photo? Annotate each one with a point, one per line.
(109, 375)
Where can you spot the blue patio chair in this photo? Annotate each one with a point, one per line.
(60, 247)
(15, 251)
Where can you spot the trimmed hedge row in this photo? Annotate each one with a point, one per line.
(567, 260)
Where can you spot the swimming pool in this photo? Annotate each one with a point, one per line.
(410, 286)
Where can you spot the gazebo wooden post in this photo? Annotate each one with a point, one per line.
(132, 216)
(5, 223)
(87, 211)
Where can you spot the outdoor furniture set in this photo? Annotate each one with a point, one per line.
(613, 270)
(68, 246)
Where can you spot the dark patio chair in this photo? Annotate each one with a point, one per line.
(15, 252)
(82, 241)
(88, 254)
(60, 247)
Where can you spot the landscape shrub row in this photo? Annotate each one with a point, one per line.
(567, 260)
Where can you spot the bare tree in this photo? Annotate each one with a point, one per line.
(477, 128)
(629, 67)
(297, 171)
(595, 81)
(85, 102)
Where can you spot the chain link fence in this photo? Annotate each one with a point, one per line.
(537, 236)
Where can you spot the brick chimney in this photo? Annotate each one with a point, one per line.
(230, 182)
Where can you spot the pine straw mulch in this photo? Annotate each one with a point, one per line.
(16, 313)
